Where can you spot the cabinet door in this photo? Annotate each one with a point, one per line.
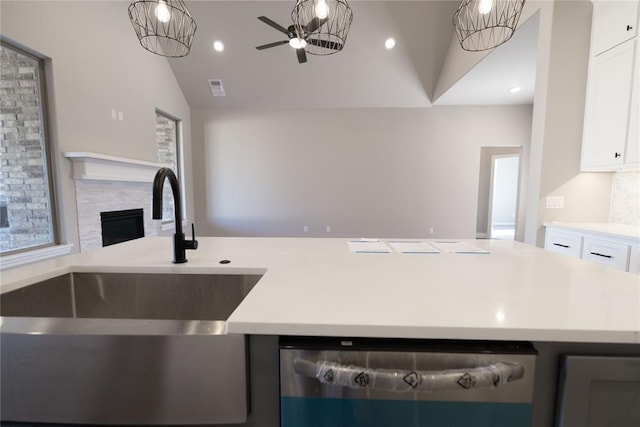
(632, 152)
(613, 23)
(596, 391)
(607, 108)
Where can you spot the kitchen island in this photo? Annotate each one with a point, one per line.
(317, 287)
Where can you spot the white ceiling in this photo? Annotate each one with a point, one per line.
(364, 74)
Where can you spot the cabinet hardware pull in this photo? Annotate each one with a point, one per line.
(629, 27)
(617, 155)
(561, 245)
(602, 255)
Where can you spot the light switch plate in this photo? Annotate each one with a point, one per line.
(555, 202)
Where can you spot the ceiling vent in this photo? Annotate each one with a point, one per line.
(216, 88)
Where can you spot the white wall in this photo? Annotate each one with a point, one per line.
(364, 172)
(97, 64)
(558, 116)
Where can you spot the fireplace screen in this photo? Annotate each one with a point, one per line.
(120, 226)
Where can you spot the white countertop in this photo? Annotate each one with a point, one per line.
(601, 228)
(317, 287)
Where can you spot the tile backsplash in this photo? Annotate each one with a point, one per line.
(625, 198)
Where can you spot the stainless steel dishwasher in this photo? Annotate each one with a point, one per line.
(334, 382)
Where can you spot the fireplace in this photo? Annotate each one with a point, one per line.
(120, 226)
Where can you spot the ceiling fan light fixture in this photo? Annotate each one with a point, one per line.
(485, 24)
(163, 27)
(323, 24)
(297, 43)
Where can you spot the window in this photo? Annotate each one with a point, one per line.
(167, 140)
(27, 219)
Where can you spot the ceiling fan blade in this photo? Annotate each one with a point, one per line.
(274, 44)
(314, 24)
(273, 24)
(302, 56)
(326, 44)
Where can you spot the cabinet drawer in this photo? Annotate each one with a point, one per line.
(564, 243)
(634, 260)
(613, 254)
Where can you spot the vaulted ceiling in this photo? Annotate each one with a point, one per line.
(363, 75)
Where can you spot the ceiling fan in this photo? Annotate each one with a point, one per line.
(299, 43)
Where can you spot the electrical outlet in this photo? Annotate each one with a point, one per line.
(120, 115)
(431, 231)
(328, 229)
(305, 228)
(555, 202)
(113, 113)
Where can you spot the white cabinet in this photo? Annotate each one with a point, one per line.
(634, 260)
(596, 244)
(606, 252)
(607, 109)
(613, 23)
(611, 123)
(563, 242)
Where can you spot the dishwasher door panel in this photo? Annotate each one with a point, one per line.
(385, 388)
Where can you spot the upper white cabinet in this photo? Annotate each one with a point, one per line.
(613, 23)
(612, 124)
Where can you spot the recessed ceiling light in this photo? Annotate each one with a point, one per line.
(390, 43)
(218, 46)
(515, 89)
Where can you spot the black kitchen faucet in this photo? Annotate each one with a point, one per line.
(180, 245)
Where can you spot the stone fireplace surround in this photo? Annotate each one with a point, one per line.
(107, 183)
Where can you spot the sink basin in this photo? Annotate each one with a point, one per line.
(124, 348)
(130, 296)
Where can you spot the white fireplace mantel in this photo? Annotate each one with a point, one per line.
(102, 167)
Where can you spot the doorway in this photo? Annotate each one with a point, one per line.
(504, 196)
(498, 192)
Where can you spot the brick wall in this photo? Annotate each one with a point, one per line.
(23, 179)
(166, 140)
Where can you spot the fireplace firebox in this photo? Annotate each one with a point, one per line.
(121, 226)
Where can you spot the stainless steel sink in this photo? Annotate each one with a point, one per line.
(120, 348)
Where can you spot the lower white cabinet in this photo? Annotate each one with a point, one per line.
(564, 243)
(622, 253)
(606, 252)
(634, 260)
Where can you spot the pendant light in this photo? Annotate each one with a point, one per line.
(323, 24)
(485, 24)
(164, 27)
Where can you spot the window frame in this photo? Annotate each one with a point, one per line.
(48, 145)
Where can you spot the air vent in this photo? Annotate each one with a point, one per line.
(216, 87)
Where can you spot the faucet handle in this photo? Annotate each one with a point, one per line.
(193, 243)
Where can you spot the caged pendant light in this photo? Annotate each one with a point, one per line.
(323, 24)
(485, 24)
(164, 27)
